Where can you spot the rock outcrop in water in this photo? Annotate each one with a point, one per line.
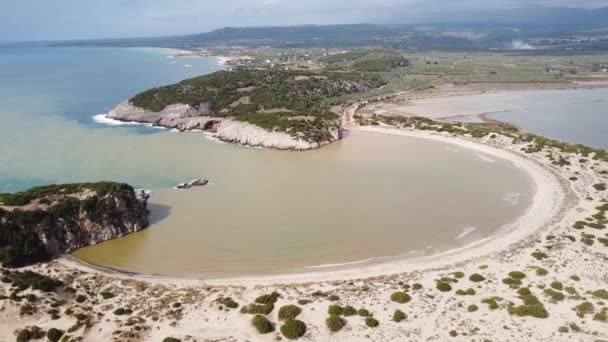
(45, 222)
(191, 184)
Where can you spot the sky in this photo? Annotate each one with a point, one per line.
(83, 19)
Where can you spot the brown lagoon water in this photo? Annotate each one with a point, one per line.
(368, 196)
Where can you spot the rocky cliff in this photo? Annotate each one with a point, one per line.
(184, 117)
(45, 222)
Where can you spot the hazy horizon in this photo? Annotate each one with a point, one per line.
(72, 19)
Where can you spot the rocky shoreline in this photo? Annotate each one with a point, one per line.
(187, 118)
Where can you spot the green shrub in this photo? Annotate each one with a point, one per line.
(453, 333)
(349, 311)
(458, 275)
(600, 186)
(602, 294)
(80, 299)
(399, 316)
(371, 322)
(24, 335)
(400, 297)
(262, 324)
(293, 329)
(601, 316)
(228, 302)
(539, 255)
(511, 282)
(492, 303)
(531, 307)
(335, 323)
(268, 298)
(333, 298)
(54, 334)
(517, 275)
(122, 311)
(472, 308)
(555, 295)
(417, 286)
(468, 292)
(557, 285)
(541, 271)
(254, 309)
(363, 312)
(584, 309)
(335, 310)
(107, 295)
(289, 312)
(475, 277)
(304, 301)
(443, 286)
(171, 339)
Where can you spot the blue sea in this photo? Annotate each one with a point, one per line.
(48, 97)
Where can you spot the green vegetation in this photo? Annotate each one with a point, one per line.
(171, 339)
(304, 301)
(476, 277)
(54, 334)
(400, 297)
(335, 323)
(555, 295)
(531, 307)
(399, 316)
(294, 102)
(293, 329)
(468, 292)
(228, 302)
(472, 308)
(517, 275)
(268, 298)
(600, 186)
(24, 280)
(371, 322)
(122, 311)
(601, 294)
(349, 311)
(262, 324)
(601, 316)
(254, 309)
(443, 286)
(38, 192)
(492, 303)
(335, 310)
(584, 308)
(363, 313)
(539, 255)
(289, 312)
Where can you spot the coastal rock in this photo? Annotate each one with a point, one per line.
(185, 118)
(191, 184)
(61, 222)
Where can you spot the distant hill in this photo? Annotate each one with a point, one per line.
(443, 31)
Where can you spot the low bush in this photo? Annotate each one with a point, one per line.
(289, 312)
(468, 292)
(228, 302)
(399, 316)
(268, 298)
(555, 295)
(255, 309)
(363, 312)
(262, 324)
(349, 311)
(371, 322)
(400, 297)
(584, 309)
(54, 334)
(443, 286)
(517, 275)
(335, 310)
(557, 285)
(472, 308)
(293, 329)
(476, 277)
(335, 323)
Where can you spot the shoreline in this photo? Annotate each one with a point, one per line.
(542, 180)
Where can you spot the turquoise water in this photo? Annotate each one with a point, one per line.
(49, 95)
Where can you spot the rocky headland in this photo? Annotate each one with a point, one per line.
(48, 221)
(262, 108)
